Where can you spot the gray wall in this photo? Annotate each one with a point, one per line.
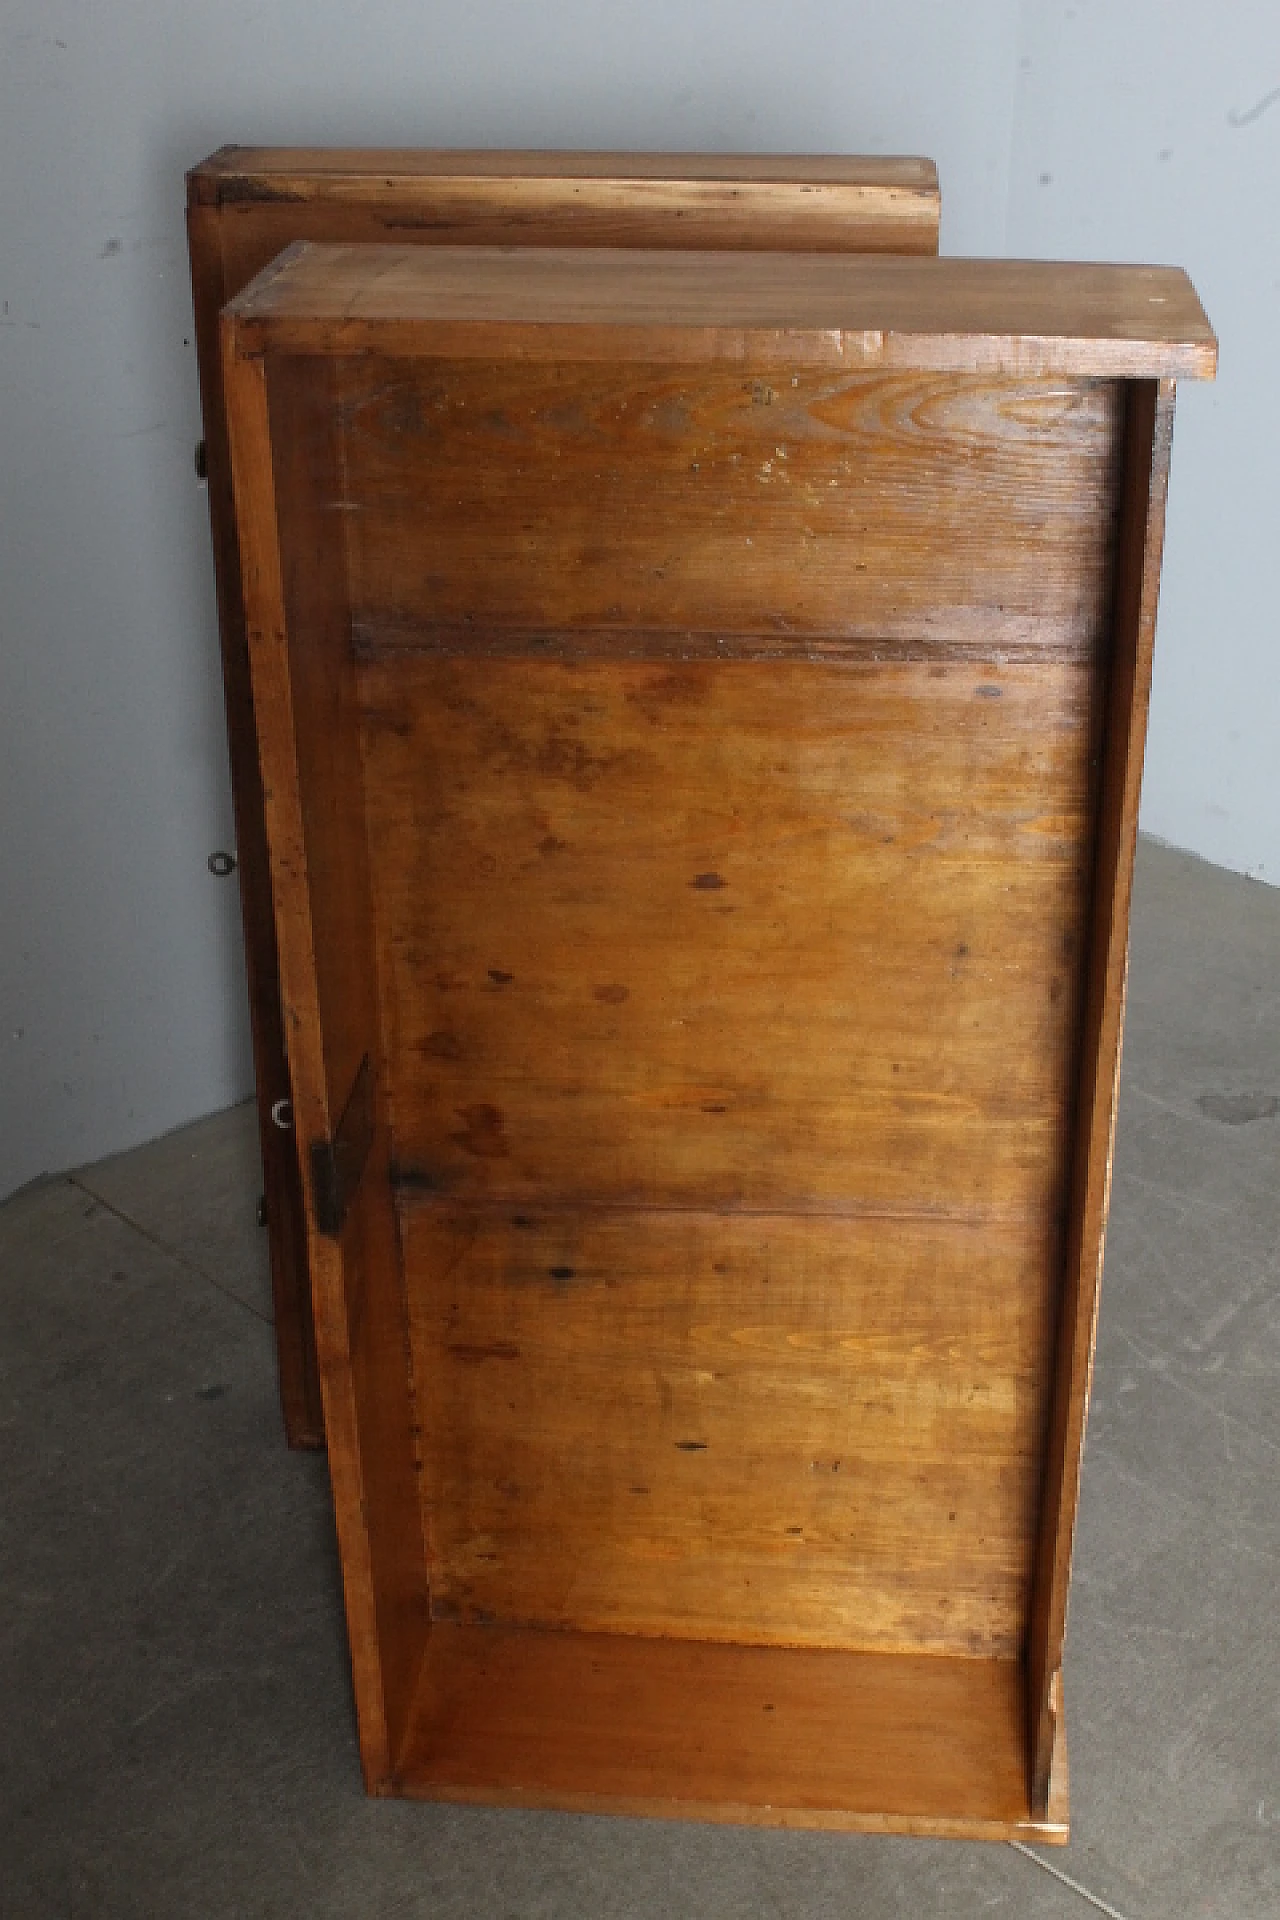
(1133, 129)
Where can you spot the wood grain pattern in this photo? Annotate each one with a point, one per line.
(761, 1428)
(1147, 439)
(816, 203)
(245, 205)
(284, 453)
(957, 513)
(1023, 320)
(606, 1724)
(706, 1348)
(832, 969)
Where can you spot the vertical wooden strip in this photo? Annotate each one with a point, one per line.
(282, 1184)
(292, 571)
(1147, 431)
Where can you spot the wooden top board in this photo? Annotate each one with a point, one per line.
(1016, 318)
(892, 202)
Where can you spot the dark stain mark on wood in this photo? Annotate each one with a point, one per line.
(244, 191)
(613, 995)
(707, 882)
(483, 1131)
(989, 692)
(561, 1273)
(691, 1446)
(410, 1176)
(714, 1106)
(551, 844)
(443, 1046)
(499, 978)
(1238, 1109)
(420, 223)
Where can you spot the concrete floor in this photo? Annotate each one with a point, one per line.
(175, 1718)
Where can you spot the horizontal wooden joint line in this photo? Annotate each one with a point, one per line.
(975, 635)
(416, 1185)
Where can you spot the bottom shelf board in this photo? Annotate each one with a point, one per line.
(772, 1736)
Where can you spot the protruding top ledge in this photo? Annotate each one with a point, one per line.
(1017, 318)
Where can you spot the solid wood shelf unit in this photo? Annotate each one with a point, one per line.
(245, 205)
(700, 703)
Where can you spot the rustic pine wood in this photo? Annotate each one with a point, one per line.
(1146, 443)
(850, 1742)
(573, 306)
(722, 884)
(246, 204)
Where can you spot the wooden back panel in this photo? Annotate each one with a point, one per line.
(744, 955)
(245, 205)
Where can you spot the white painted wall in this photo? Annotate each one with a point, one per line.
(1150, 130)
(121, 995)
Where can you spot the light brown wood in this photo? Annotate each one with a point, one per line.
(582, 971)
(761, 1428)
(1011, 318)
(836, 512)
(1147, 439)
(837, 203)
(736, 951)
(246, 205)
(606, 1723)
(294, 580)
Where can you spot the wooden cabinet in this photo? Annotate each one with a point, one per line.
(700, 704)
(246, 204)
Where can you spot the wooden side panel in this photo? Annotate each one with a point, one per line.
(754, 1428)
(748, 935)
(912, 509)
(1147, 436)
(286, 466)
(798, 1738)
(282, 1183)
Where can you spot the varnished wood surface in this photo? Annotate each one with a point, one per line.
(248, 204)
(832, 202)
(740, 965)
(1147, 438)
(1015, 318)
(818, 512)
(752, 1427)
(294, 583)
(608, 1723)
(742, 935)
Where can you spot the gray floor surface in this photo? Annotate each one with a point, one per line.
(175, 1716)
